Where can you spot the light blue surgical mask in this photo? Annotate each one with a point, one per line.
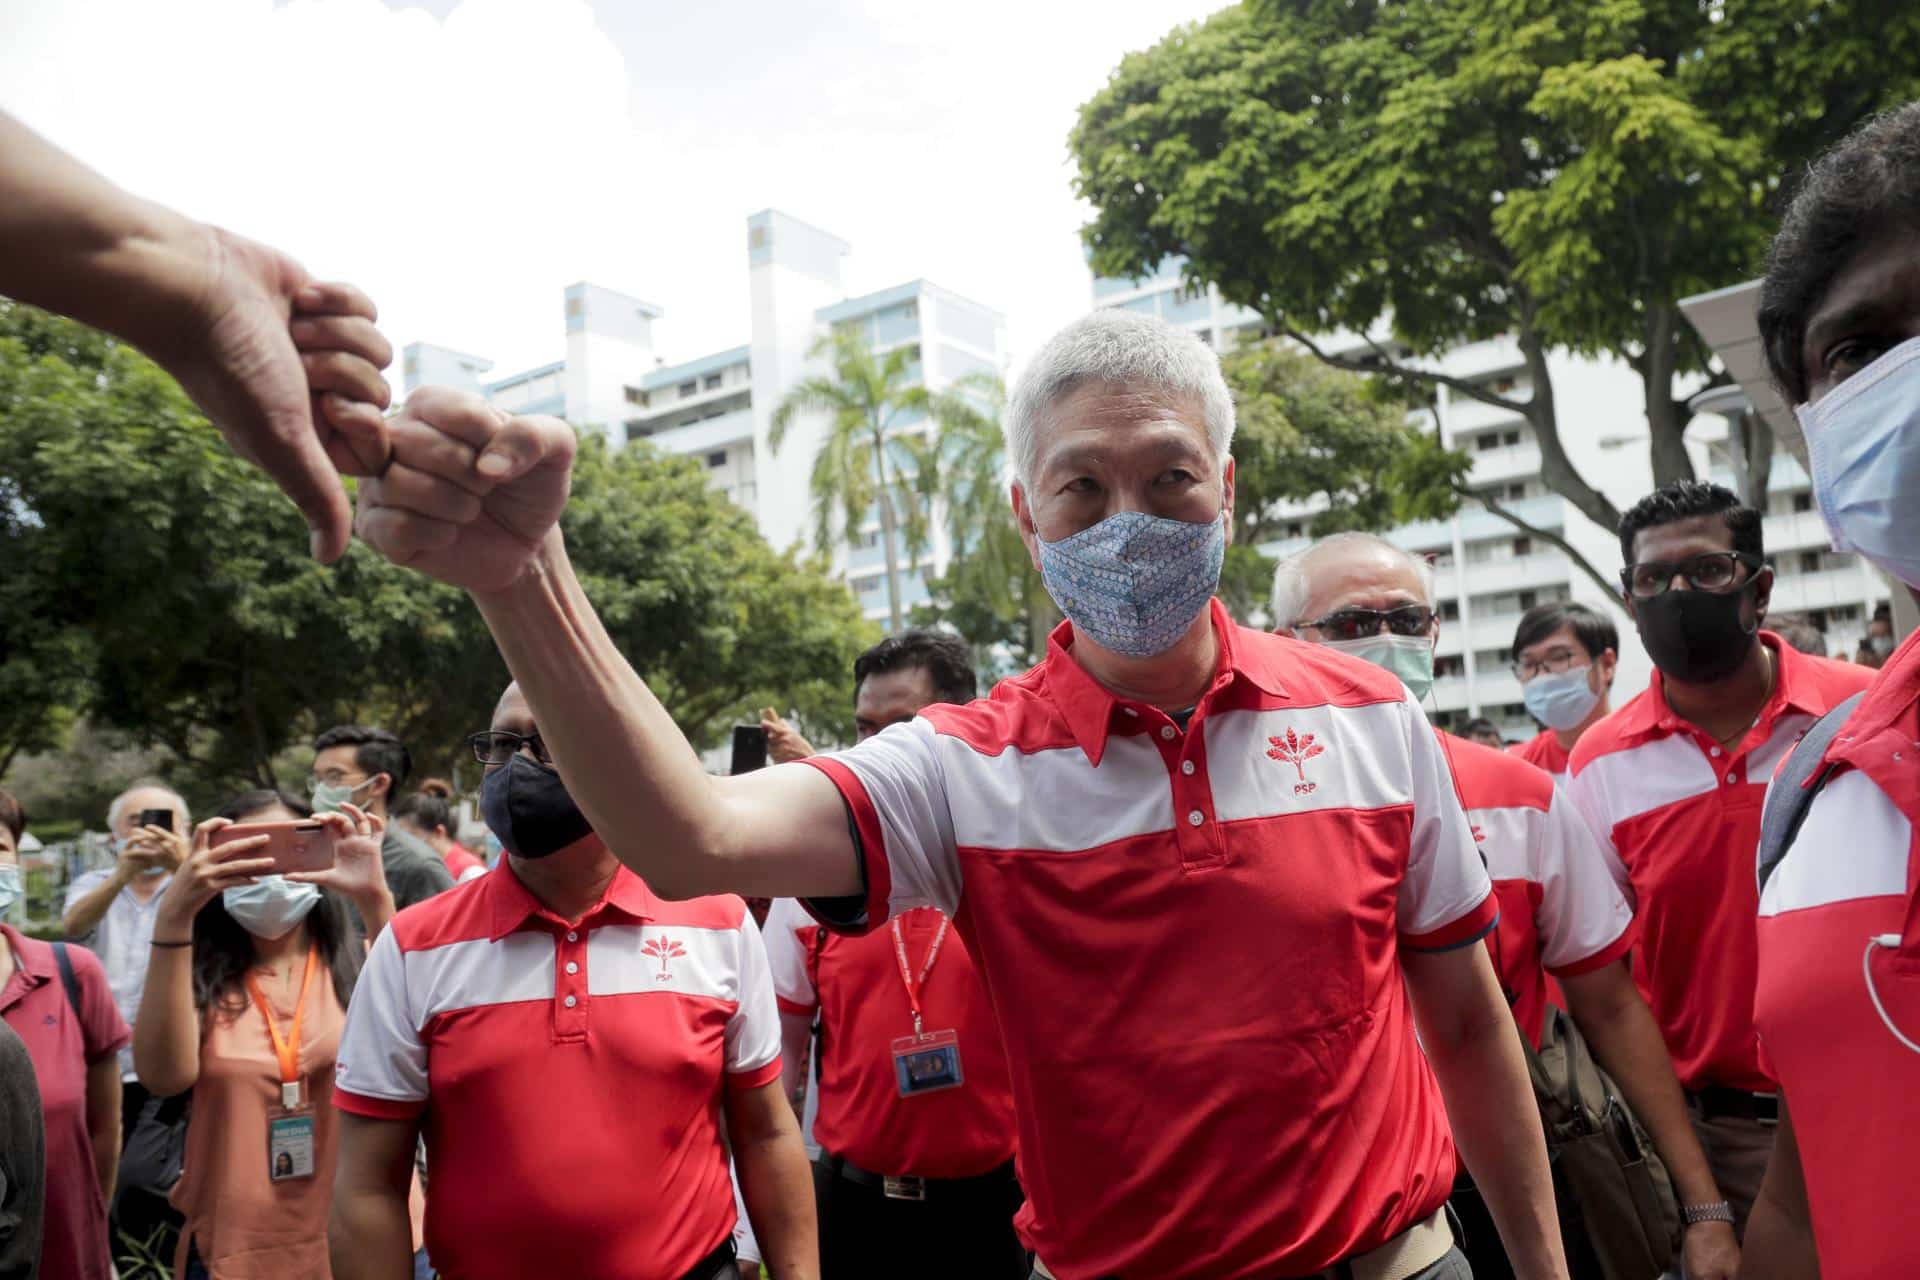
(271, 906)
(1560, 699)
(11, 887)
(329, 796)
(1409, 657)
(1135, 582)
(1863, 440)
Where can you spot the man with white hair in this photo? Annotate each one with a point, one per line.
(1560, 912)
(1210, 877)
(111, 910)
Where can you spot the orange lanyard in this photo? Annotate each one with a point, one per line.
(906, 972)
(287, 1048)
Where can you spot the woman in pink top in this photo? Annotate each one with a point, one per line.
(246, 994)
(428, 814)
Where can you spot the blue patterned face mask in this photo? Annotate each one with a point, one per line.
(1135, 582)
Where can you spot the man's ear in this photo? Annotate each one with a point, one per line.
(1762, 591)
(1023, 520)
(1226, 497)
(382, 786)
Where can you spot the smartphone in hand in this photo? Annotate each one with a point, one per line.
(749, 748)
(154, 818)
(303, 845)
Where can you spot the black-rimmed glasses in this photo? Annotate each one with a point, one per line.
(1712, 571)
(496, 746)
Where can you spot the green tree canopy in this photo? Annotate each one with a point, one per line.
(1464, 169)
(158, 585)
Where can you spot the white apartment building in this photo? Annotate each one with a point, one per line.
(1487, 571)
(718, 407)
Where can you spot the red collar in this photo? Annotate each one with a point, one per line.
(1793, 690)
(33, 964)
(1088, 706)
(1890, 699)
(511, 906)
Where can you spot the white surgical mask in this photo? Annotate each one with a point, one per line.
(1863, 440)
(329, 796)
(10, 887)
(271, 906)
(1560, 700)
(1409, 657)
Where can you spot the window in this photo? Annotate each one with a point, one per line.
(1809, 562)
(711, 382)
(1803, 502)
(1527, 600)
(1523, 546)
(866, 586)
(718, 458)
(1510, 438)
(1487, 441)
(688, 389)
(1451, 665)
(636, 396)
(1516, 491)
(1449, 611)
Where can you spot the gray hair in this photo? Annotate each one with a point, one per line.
(1293, 585)
(1115, 346)
(118, 808)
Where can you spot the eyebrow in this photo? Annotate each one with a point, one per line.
(1081, 457)
(1864, 312)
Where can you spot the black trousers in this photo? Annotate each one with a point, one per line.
(964, 1228)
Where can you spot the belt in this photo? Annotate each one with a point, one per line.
(909, 1187)
(1407, 1254)
(1718, 1100)
(715, 1265)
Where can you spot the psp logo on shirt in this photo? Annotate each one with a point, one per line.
(666, 949)
(1296, 750)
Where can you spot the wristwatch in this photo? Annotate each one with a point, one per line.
(1718, 1211)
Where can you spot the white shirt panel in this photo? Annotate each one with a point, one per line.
(753, 1032)
(381, 1052)
(1445, 877)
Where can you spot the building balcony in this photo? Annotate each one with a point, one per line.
(1516, 573)
(1492, 631)
(1795, 531)
(1508, 462)
(1799, 592)
(704, 437)
(1466, 416)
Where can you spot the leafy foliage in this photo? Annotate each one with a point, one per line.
(1465, 169)
(158, 585)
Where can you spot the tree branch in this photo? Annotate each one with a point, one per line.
(1380, 364)
(1567, 549)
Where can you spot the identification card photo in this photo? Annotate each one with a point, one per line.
(290, 1145)
(927, 1063)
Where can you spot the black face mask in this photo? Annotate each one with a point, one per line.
(1696, 637)
(527, 806)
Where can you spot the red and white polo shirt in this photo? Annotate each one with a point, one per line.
(1543, 751)
(568, 1077)
(1191, 939)
(854, 983)
(1560, 911)
(1679, 818)
(1852, 1088)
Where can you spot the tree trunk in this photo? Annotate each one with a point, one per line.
(1667, 418)
(1758, 443)
(889, 540)
(1557, 471)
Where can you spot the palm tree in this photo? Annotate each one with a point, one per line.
(870, 456)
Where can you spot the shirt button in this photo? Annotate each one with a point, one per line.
(1196, 817)
(1167, 731)
(572, 967)
(571, 1001)
(1715, 751)
(1130, 711)
(1730, 777)
(1186, 767)
(572, 936)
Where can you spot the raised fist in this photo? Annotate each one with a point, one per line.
(470, 493)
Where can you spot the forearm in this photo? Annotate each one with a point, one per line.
(369, 1235)
(82, 917)
(633, 773)
(376, 911)
(796, 1038)
(778, 1188)
(105, 1140)
(72, 242)
(166, 1032)
(1779, 1240)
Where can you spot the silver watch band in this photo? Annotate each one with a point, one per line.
(1718, 1211)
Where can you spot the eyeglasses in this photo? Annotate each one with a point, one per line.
(1553, 664)
(1714, 571)
(1357, 624)
(496, 746)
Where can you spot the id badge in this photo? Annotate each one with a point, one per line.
(289, 1145)
(927, 1063)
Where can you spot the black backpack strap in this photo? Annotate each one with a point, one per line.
(1795, 786)
(67, 978)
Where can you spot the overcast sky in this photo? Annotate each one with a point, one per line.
(464, 160)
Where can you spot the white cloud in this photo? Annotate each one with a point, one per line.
(464, 170)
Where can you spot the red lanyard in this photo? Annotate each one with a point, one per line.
(914, 988)
(287, 1049)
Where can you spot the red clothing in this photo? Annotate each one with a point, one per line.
(855, 984)
(1679, 818)
(460, 860)
(1560, 912)
(1543, 751)
(1852, 1088)
(1191, 940)
(63, 1046)
(570, 1078)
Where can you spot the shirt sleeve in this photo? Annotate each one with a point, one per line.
(753, 1032)
(381, 1070)
(896, 796)
(1589, 795)
(788, 932)
(1446, 899)
(103, 1031)
(1585, 922)
(82, 886)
